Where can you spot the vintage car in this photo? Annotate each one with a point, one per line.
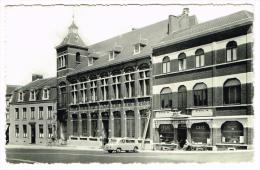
(119, 145)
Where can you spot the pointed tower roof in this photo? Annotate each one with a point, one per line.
(72, 38)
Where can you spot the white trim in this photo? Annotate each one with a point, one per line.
(218, 82)
(206, 47)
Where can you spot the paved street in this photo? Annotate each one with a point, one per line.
(15, 155)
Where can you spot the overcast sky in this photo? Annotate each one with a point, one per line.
(32, 32)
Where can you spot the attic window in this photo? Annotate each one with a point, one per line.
(78, 57)
(20, 96)
(45, 95)
(90, 61)
(111, 55)
(32, 95)
(137, 48)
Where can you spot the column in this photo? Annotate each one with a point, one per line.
(123, 88)
(137, 85)
(137, 123)
(99, 131)
(123, 124)
(175, 129)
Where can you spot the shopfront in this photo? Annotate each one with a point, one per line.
(200, 133)
(166, 133)
(232, 132)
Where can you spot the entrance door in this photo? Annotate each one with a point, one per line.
(105, 129)
(182, 134)
(33, 133)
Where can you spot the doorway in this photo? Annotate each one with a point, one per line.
(182, 134)
(33, 134)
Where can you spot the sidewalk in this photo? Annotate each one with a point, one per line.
(87, 148)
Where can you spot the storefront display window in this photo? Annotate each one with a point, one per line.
(232, 132)
(200, 133)
(166, 133)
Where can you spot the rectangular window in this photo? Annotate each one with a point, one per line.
(75, 125)
(17, 113)
(25, 131)
(130, 125)
(117, 127)
(50, 131)
(84, 125)
(17, 131)
(32, 112)
(24, 113)
(20, 96)
(45, 94)
(40, 112)
(111, 55)
(229, 53)
(49, 112)
(94, 127)
(41, 134)
(32, 95)
(136, 48)
(90, 61)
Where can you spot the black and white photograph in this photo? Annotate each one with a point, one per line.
(121, 83)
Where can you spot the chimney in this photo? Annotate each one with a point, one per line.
(36, 77)
(172, 23)
(185, 11)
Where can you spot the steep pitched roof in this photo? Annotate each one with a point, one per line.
(208, 27)
(40, 83)
(152, 34)
(11, 88)
(72, 38)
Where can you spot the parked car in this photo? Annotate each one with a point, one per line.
(119, 145)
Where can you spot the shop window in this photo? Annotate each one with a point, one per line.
(130, 124)
(200, 95)
(232, 91)
(231, 51)
(17, 131)
(25, 131)
(166, 98)
(232, 132)
(182, 97)
(41, 134)
(50, 131)
(199, 58)
(182, 61)
(117, 124)
(166, 133)
(143, 122)
(84, 120)
(74, 124)
(200, 133)
(94, 124)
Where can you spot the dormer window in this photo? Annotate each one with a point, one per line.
(90, 61)
(111, 55)
(32, 95)
(20, 96)
(45, 95)
(137, 48)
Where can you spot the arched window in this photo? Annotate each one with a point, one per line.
(130, 124)
(166, 65)
(77, 57)
(166, 98)
(231, 51)
(200, 58)
(182, 97)
(117, 124)
(232, 91)
(200, 95)
(232, 132)
(182, 61)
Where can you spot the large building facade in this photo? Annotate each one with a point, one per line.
(106, 88)
(33, 112)
(202, 86)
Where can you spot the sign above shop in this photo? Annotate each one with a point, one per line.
(202, 112)
(164, 114)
